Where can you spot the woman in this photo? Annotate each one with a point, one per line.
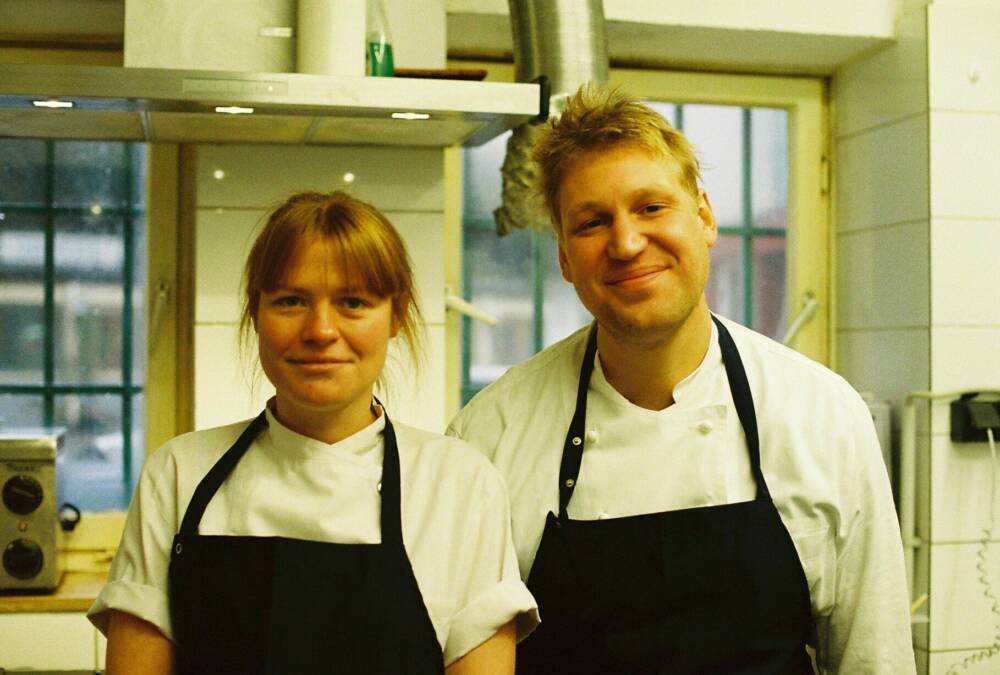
(320, 537)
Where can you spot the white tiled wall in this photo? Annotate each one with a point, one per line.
(406, 184)
(918, 215)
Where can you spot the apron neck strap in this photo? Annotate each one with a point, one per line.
(392, 530)
(572, 455)
(217, 475)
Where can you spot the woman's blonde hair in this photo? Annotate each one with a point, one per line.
(598, 118)
(363, 240)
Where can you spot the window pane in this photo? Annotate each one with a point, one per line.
(769, 286)
(89, 470)
(481, 182)
(667, 110)
(137, 152)
(562, 312)
(89, 255)
(725, 282)
(22, 297)
(500, 284)
(769, 138)
(717, 134)
(90, 174)
(22, 171)
(20, 411)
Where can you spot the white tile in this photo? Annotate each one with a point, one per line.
(883, 278)
(965, 358)
(945, 663)
(882, 176)
(965, 272)
(226, 388)
(964, 60)
(889, 84)
(223, 238)
(960, 610)
(261, 176)
(888, 363)
(417, 397)
(423, 234)
(46, 641)
(960, 491)
(965, 166)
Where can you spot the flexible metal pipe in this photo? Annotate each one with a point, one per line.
(563, 40)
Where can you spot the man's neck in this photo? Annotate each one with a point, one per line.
(645, 371)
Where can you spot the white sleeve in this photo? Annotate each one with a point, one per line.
(137, 580)
(868, 630)
(493, 593)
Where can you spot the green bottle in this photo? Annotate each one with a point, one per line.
(378, 56)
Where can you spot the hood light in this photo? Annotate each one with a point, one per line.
(410, 116)
(52, 103)
(233, 110)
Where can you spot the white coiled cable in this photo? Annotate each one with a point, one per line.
(983, 569)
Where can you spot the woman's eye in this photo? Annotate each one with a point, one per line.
(289, 301)
(588, 224)
(354, 303)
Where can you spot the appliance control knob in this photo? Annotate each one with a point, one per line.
(22, 494)
(23, 559)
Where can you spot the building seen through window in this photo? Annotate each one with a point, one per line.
(72, 280)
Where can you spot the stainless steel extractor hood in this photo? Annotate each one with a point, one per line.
(198, 106)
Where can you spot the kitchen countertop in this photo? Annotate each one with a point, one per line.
(75, 593)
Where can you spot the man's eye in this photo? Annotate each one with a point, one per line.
(652, 208)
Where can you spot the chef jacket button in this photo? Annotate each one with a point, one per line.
(378, 487)
(592, 436)
(570, 482)
(603, 515)
(704, 426)
(577, 440)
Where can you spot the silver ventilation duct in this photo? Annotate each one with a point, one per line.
(564, 41)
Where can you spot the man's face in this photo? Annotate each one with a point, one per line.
(635, 244)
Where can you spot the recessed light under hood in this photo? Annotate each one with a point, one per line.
(153, 104)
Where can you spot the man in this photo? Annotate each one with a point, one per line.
(687, 495)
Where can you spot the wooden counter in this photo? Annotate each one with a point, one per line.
(76, 592)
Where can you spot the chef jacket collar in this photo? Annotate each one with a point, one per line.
(292, 445)
(687, 388)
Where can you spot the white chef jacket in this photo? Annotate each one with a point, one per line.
(454, 510)
(819, 455)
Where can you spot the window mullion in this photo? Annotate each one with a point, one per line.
(128, 275)
(747, 219)
(538, 283)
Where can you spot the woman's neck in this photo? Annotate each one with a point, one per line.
(328, 425)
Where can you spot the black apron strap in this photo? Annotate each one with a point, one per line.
(217, 475)
(740, 389)
(572, 454)
(391, 518)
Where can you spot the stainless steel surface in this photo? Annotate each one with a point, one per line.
(565, 41)
(28, 508)
(154, 104)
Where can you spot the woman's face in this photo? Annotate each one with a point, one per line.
(322, 343)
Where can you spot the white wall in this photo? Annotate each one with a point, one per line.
(406, 184)
(917, 146)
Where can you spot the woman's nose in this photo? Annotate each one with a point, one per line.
(627, 239)
(321, 325)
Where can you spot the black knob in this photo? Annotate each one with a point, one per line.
(22, 494)
(23, 559)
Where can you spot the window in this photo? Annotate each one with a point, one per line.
(759, 142)
(72, 280)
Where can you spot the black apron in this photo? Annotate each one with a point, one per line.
(287, 606)
(715, 589)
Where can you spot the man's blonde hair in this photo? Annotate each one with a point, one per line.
(598, 118)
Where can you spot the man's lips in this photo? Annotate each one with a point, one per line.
(633, 276)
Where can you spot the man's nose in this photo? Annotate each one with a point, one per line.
(322, 324)
(627, 238)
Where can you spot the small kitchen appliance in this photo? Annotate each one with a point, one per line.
(28, 511)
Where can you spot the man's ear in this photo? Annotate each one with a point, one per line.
(707, 218)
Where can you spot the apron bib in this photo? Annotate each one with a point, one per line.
(275, 605)
(715, 589)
